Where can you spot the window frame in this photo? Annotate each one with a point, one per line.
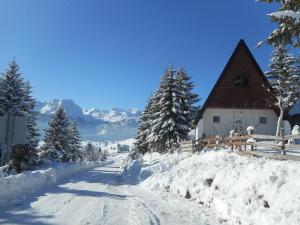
(263, 120)
(244, 80)
(217, 119)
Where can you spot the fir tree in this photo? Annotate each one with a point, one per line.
(168, 117)
(288, 21)
(284, 79)
(11, 95)
(57, 136)
(187, 101)
(90, 154)
(74, 143)
(28, 110)
(164, 134)
(144, 129)
(16, 100)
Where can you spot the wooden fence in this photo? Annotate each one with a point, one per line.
(240, 142)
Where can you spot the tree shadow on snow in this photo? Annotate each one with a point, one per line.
(88, 193)
(99, 176)
(17, 216)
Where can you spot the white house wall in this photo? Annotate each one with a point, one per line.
(248, 117)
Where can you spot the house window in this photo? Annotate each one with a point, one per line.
(263, 120)
(241, 81)
(216, 119)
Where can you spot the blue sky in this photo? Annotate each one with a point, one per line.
(106, 53)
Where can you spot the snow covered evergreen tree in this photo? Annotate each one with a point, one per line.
(12, 90)
(169, 114)
(284, 77)
(16, 100)
(28, 106)
(288, 19)
(187, 100)
(90, 154)
(57, 137)
(164, 132)
(74, 151)
(141, 144)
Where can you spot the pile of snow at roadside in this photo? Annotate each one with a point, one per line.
(131, 170)
(159, 163)
(139, 170)
(242, 190)
(15, 188)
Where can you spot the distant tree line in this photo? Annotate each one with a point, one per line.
(169, 114)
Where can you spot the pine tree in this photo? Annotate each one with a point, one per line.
(169, 114)
(74, 143)
(28, 110)
(164, 134)
(90, 154)
(187, 101)
(288, 20)
(284, 77)
(57, 136)
(144, 129)
(11, 95)
(16, 100)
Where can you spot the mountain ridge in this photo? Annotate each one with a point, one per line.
(94, 124)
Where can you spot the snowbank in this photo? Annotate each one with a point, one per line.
(158, 163)
(242, 190)
(15, 188)
(134, 170)
(131, 171)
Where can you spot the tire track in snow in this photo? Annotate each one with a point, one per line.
(104, 211)
(141, 214)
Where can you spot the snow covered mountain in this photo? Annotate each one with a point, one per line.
(94, 124)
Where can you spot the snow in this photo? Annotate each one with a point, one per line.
(100, 196)
(296, 130)
(241, 190)
(215, 187)
(131, 171)
(110, 146)
(287, 13)
(15, 188)
(114, 115)
(94, 124)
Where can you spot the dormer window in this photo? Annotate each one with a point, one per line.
(241, 80)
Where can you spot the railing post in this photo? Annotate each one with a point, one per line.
(282, 141)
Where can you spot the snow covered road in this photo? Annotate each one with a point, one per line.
(99, 196)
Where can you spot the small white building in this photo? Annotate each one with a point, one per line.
(240, 98)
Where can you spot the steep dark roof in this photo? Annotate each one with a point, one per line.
(240, 47)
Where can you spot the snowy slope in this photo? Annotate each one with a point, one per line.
(242, 190)
(94, 124)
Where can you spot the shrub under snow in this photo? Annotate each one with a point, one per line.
(241, 189)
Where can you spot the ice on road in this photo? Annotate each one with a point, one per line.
(99, 196)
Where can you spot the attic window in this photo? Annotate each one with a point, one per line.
(241, 80)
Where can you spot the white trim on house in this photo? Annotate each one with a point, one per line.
(231, 119)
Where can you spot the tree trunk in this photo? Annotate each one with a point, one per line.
(280, 123)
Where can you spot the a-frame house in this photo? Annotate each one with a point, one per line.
(240, 98)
